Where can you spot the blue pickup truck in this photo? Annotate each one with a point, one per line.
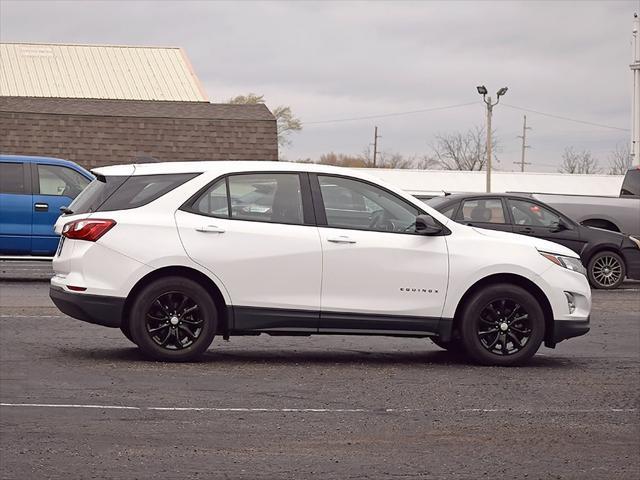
(32, 190)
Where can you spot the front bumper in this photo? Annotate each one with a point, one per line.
(564, 329)
(98, 309)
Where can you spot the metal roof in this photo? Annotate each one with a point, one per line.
(97, 71)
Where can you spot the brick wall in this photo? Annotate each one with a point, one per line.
(94, 140)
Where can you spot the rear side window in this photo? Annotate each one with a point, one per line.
(631, 184)
(123, 193)
(482, 211)
(12, 178)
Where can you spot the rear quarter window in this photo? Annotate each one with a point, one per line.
(123, 193)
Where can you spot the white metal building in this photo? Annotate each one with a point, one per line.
(98, 72)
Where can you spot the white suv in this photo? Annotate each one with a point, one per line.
(175, 253)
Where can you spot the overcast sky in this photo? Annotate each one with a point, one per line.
(339, 60)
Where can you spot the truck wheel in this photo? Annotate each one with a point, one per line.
(502, 324)
(173, 319)
(606, 270)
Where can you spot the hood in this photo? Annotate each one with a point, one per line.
(538, 243)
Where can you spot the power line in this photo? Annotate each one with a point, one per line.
(565, 118)
(395, 114)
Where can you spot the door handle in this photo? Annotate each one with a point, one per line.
(41, 207)
(341, 239)
(210, 229)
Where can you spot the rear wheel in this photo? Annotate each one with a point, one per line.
(502, 324)
(173, 319)
(606, 270)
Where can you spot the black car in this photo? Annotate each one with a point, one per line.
(608, 256)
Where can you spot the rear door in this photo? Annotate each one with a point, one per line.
(15, 208)
(484, 212)
(54, 186)
(531, 218)
(256, 233)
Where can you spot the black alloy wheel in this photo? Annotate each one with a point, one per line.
(504, 327)
(606, 270)
(502, 324)
(173, 319)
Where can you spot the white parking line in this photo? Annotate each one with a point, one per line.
(312, 410)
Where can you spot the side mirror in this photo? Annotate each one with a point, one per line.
(426, 225)
(561, 226)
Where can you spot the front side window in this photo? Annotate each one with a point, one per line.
(483, 210)
(532, 214)
(266, 197)
(359, 205)
(12, 178)
(60, 181)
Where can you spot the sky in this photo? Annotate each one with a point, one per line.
(333, 61)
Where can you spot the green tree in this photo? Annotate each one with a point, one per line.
(286, 121)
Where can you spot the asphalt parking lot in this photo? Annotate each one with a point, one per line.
(79, 402)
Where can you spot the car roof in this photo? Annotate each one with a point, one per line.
(220, 166)
(461, 196)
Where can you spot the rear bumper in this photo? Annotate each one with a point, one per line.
(564, 329)
(98, 309)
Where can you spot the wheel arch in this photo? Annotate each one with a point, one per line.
(600, 222)
(224, 312)
(513, 279)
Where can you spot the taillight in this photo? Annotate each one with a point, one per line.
(89, 229)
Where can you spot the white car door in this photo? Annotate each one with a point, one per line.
(255, 234)
(378, 274)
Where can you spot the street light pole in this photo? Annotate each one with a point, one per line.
(489, 142)
(482, 90)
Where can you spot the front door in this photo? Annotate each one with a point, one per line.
(378, 275)
(54, 186)
(530, 218)
(15, 209)
(255, 234)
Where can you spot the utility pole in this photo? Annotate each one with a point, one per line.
(482, 90)
(375, 145)
(524, 144)
(635, 96)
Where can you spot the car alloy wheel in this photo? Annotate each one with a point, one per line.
(607, 271)
(173, 321)
(504, 327)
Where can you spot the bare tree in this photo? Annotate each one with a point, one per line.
(286, 121)
(342, 160)
(364, 160)
(578, 162)
(462, 150)
(620, 160)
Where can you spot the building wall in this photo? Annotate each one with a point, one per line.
(178, 135)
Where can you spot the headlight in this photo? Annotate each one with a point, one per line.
(570, 263)
(635, 240)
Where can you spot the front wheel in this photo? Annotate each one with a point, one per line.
(502, 324)
(606, 270)
(173, 319)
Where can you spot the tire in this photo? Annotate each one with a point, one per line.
(606, 270)
(453, 346)
(173, 319)
(502, 325)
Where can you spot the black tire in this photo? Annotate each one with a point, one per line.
(502, 324)
(606, 270)
(173, 319)
(453, 346)
(124, 328)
